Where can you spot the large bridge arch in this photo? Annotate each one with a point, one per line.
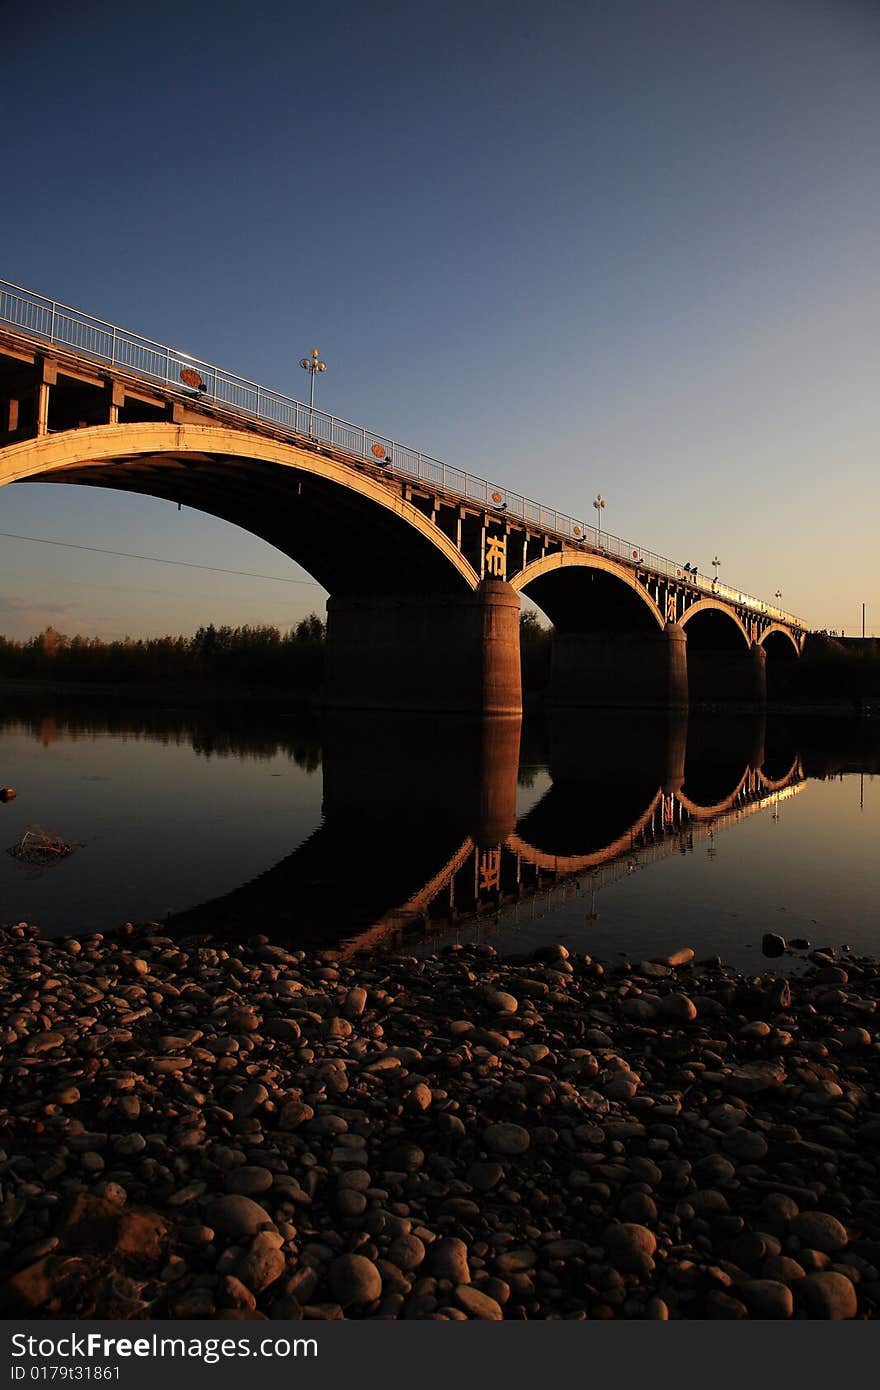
(555, 584)
(724, 665)
(706, 606)
(780, 637)
(410, 624)
(612, 646)
(352, 533)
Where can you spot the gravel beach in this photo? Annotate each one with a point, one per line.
(200, 1129)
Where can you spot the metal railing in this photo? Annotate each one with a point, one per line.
(51, 322)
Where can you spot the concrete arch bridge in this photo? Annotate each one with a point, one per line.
(424, 563)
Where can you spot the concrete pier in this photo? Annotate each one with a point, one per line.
(729, 677)
(451, 654)
(618, 670)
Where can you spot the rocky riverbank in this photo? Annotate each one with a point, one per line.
(199, 1129)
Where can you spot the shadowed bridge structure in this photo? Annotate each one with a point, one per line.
(424, 562)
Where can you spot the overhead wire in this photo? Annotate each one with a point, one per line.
(158, 559)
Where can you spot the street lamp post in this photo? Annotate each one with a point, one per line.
(599, 505)
(778, 594)
(716, 562)
(312, 365)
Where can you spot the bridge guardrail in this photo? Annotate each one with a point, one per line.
(117, 347)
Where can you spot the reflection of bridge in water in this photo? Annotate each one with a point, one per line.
(420, 830)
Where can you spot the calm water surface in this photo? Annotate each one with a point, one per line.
(613, 835)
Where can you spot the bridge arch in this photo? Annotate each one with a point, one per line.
(776, 633)
(711, 605)
(547, 582)
(352, 533)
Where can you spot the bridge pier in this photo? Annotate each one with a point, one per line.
(728, 677)
(620, 670)
(432, 653)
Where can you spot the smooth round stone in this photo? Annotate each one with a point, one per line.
(679, 1008)
(779, 1210)
(350, 1203)
(773, 945)
(828, 1295)
(477, 1304)
(656, 1310)
(630, 1247)
(683, 956)
(783, 1268)
(640, 1009)
(502, 1002)
(420, 1097)
(407, 1252)
(237, 1215)
(715, 1168)
(819, 1230)
(745, 1145)
(622, 1086)
(755, 1031)
(485, 1176)
(249, 1100)
(358, 1179)
(449, 1260)
(354, 1279)
(637, 1207)
(855, 1037)
(506, 1138)
(643, 1169)
(355, 1002)
(767, 1298)
(249, 1180)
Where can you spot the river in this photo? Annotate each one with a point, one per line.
(615, 835)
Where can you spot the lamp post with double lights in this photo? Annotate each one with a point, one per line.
(599, 504)
(312, 365)
(716, 562)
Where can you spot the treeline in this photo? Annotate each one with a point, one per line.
(222, 655)
(833, 670)
(225, 655)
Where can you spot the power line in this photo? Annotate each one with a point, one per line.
(158, 559)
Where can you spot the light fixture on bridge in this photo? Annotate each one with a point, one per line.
(716, 562)
(599, 504)
(778, 594)
(312, 365)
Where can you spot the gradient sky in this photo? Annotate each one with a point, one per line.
(618, 245)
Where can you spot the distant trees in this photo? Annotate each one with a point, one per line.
(228, 655)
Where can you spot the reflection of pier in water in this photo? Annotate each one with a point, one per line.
(420, 833)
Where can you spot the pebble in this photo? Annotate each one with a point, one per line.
(508, 1139)
(819, 1230)
(354, 1279)
(449, 1260)
(236, 1215)
(270, 1133)
(827, 1295)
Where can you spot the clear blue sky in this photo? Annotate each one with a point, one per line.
(618, 245)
